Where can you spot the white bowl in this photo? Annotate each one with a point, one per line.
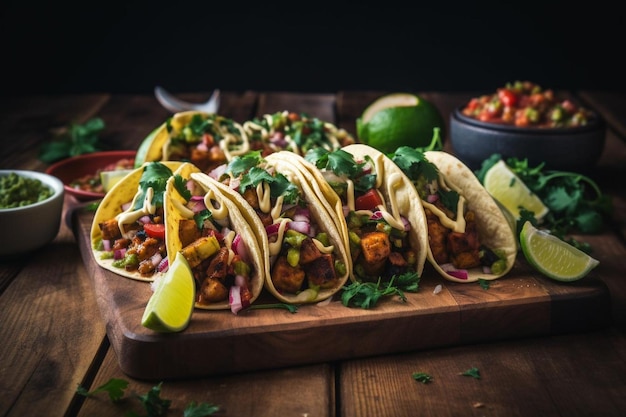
(27, 228)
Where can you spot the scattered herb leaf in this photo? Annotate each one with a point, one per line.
(484, 283)
(367, 294)
(77, 139)
(114, 387)
(473, 372)
(422, 377)
(152, 402)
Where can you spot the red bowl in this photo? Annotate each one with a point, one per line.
(70, 169)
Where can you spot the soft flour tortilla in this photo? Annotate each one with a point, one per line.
(255, 253)
(111, 205)
(318, 214)
(493, 227)
(395, 187)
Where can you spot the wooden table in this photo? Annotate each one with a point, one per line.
(53, 336)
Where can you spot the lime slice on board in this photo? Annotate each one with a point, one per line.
(511, 192)
(171, 304)
(109, 178)
(398, 119)
(554, 257)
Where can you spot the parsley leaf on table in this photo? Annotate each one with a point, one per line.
(422, 377)
(114, 387)
(473, 372)
(77, 139)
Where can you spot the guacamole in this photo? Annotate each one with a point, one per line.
(18, 191)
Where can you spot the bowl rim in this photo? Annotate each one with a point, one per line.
(53, 182)
(596, 122)
(121, 153)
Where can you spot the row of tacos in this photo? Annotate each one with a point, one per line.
(303, 225)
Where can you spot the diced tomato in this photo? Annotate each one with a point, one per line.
(507, 97)
(368, 201)
(155, 230)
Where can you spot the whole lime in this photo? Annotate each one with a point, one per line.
(399, 119)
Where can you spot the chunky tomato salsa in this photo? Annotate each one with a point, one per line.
(526, 104)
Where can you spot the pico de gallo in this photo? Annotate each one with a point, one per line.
(93, 183)
(526, 104)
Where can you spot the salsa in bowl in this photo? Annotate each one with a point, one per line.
(538, 127)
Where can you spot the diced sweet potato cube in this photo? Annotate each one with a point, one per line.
(285, 277)
(308, 251)
(321, 271)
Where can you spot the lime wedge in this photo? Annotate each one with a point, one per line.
(511, 192)
(109, 178)
(171, 304)
(398, 119)
(553, 257)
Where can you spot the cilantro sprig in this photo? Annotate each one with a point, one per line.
(153, 404)
(575, 201)
(250, 169)
(77, 139)
(367, 294)
(343, 164)
(155, 176)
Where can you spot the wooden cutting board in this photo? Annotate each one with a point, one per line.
(521, 304)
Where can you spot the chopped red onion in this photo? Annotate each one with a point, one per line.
(163, 265)
(234, 299)
(156, 259)
(458, 273)
(272, 229)
(302, 227)
(106, 244)
(119, 254)
(431, 198)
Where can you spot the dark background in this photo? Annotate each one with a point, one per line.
(187, 46)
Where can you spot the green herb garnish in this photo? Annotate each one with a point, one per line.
(367, 294)
(77, 139)
(154, 405)
(422, 377)
(473, 372)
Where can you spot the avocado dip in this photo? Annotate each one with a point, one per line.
(18, 191)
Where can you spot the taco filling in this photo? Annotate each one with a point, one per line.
(134, 239)
(378, 234)
(206, 140)
(218, 245)
(457, 243)
(295, 132)
(302, 255)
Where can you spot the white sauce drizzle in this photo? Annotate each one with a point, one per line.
(130, 216)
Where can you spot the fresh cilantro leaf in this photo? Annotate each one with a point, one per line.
(77, 139)
(114, 387)
(414, 164)
(242, 164)
(473, 372)
(367, 294)
(279, 184)
(484, 283)
(154, 405)
(155, 176)
(200, 410)
(422, 377)
(343, 164)
(180, 184)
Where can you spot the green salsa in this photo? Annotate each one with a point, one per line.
(18, 191)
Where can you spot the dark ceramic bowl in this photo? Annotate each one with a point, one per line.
(575, 149)
(70, 169)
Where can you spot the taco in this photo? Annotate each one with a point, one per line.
(220, 245)
(375, 206)
(469, 236)
(305, 259)
(204, 139)
(295, 132)
(128, 229)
